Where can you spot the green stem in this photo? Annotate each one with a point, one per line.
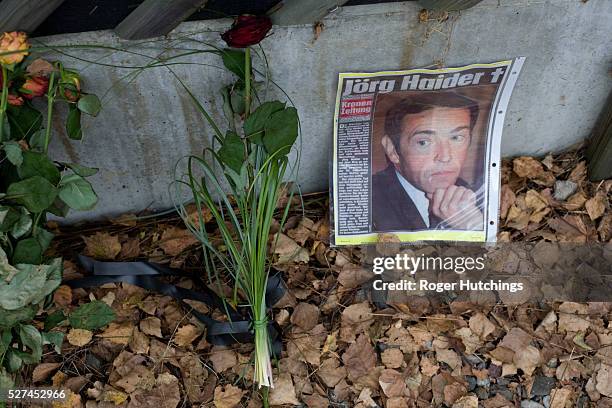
(265, 397)
(50, 100)
(247, 82)
(3, 101)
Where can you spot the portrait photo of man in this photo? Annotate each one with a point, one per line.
(430, 143)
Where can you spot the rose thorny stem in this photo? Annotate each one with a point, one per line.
(3, 101)
(50, 100)
(247, 82)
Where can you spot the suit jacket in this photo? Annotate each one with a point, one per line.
(392, 207)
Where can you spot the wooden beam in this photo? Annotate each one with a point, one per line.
(154, 18)
(599, 151)
(25, 15)
(293, 12)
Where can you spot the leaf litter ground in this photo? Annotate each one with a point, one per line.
(339, 349)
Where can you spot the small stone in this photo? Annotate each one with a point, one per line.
(530, 404)
(482, 393)
(553, 363)
(564, 189)
(546, 401)
(485, 382)
(503, 390)
(542, 386)
(471, 380)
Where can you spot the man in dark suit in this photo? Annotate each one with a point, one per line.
(426, 142)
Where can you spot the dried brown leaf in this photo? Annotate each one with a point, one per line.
(185, 335)
(223, 359)
(360, 357)
(102, 245)
(392, 383)
(63, 296)
(283, 392)
(175, 240)
(481, 326)
(525, 166)
(43, 371)
(287, 250)
(356, 319)
(331, 372)
(392, 358)
(596, 206)
(118, 333)
(305, 316)
(151, 326)
(79, 337)
(604, 380)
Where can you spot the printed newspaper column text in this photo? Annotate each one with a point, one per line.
(353, 162)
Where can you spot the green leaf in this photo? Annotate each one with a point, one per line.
(55, 338)
(82, 171)
(73, 123)
(77, 193)
(10, 318)
(37, 141)
(232, 151)
(237, 99)
(27, 251)
(38, 164)
(256, 122)
(8, 217)
(91, 316)
(5, 341)
(43, 237)
(89, 104)
(7, 271)
(54, 319)
(13, 153)
(59, 208)
(234, 60)
(281, 131)
(227, 106)
(31, 338)
(23, 225)
(28, 284)
(35, 193)
(13, 360)
(6, 381)
(24, 121)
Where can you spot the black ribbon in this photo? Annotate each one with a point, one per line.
(147, 274)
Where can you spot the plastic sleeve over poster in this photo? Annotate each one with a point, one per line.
(416, 153)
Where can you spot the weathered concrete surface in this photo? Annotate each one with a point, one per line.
(148, 124)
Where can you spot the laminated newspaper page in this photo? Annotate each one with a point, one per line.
(417, 153)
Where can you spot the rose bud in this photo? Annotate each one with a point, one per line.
(34, 87)
(15, 100)
(247, 30)
(11, 42)
(71, 83)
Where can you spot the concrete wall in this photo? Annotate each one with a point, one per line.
(148, 124)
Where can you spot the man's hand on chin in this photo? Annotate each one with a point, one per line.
(457, 207)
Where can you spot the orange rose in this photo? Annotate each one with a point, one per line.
(34, 87)
(11, 42)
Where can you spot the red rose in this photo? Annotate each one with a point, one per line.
(34, 87)
(15, 100)
(247, 30)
